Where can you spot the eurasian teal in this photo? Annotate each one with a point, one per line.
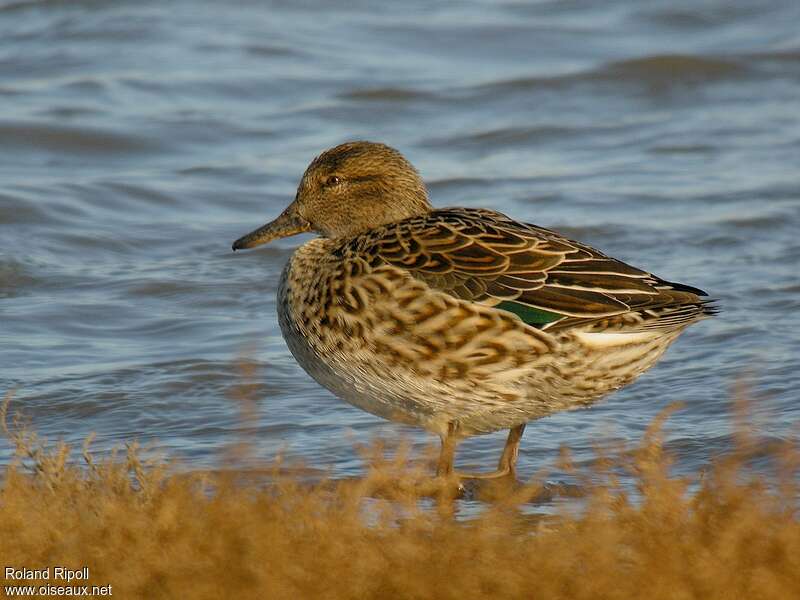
(459, 320)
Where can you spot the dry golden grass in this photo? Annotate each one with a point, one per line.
(152, 534)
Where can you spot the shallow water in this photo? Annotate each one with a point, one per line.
(138, 140)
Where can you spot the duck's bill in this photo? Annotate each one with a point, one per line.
(288, 223)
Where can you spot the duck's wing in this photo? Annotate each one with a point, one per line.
(546, 279)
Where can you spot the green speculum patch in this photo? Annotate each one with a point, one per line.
(532, 316)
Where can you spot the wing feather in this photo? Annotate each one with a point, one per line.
(485, 257)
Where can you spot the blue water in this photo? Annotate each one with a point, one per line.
(139, 139)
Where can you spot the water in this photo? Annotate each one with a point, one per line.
(139, 139)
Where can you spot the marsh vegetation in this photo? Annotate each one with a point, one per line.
(154, 531)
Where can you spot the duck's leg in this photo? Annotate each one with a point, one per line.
(445, 466)
(508, 460)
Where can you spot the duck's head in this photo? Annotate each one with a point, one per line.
(347, 190)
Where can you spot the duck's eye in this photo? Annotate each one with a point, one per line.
(331, 181)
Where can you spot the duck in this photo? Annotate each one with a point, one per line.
(461, 321)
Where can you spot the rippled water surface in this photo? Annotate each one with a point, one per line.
(138, 139)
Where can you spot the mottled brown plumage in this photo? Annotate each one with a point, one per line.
(460, 320)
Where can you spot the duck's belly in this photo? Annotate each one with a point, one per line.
(340, 362)
(483, 368)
